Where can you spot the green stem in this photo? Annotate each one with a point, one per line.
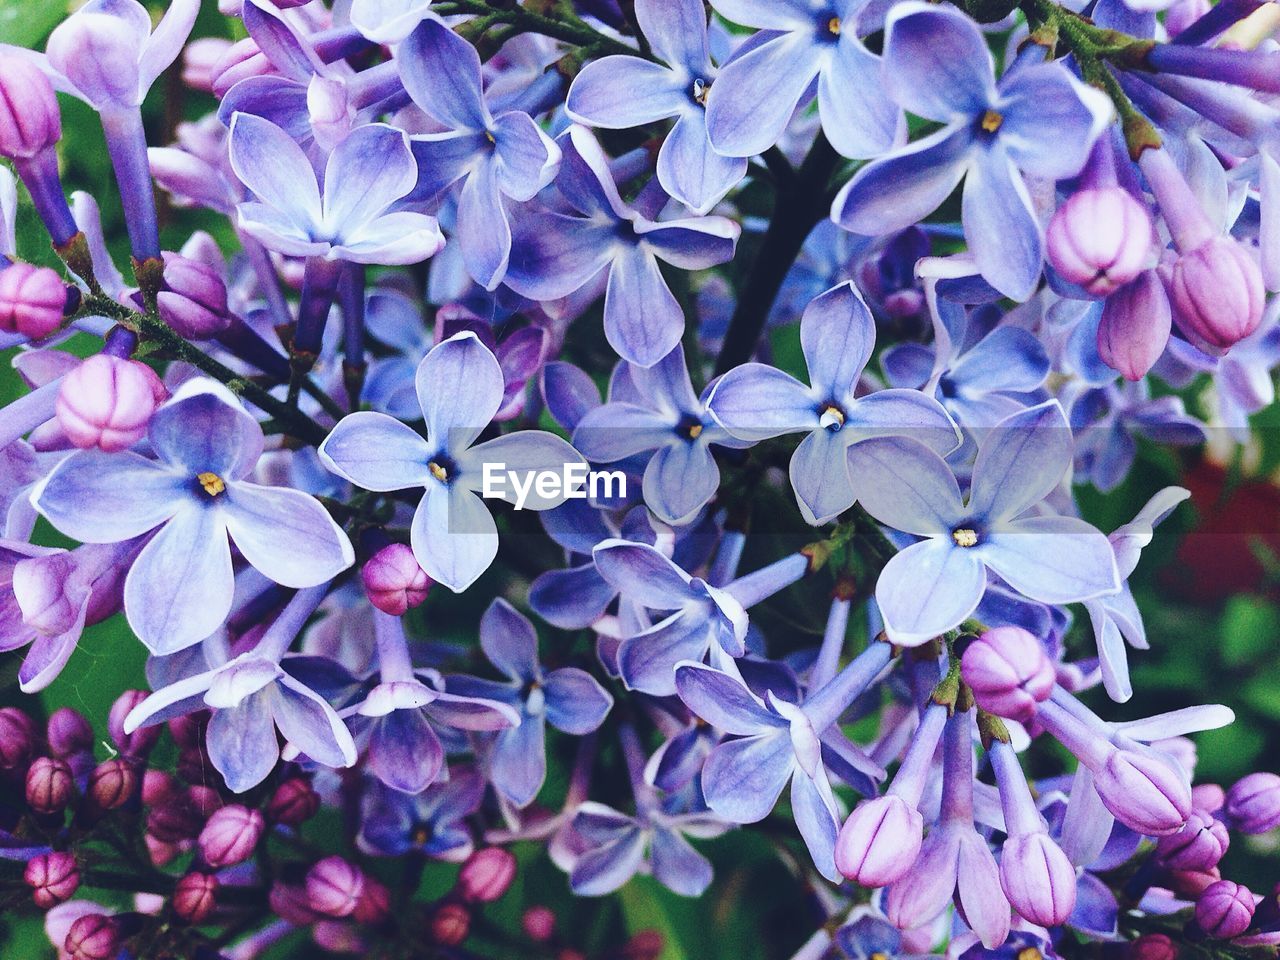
(565, 26)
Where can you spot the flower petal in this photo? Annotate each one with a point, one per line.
(742, 779)
(819, 474)
(619, 91)
(376, 452)
(755, 401)
(509, 641)
(755, 95)
(576, 703)
(691, 171)
(647, 660)
(643, 321)
(857, 114)
(936, 62)
(441, 73)
(837, 335)
(928, 589)
(643, 573)
(268, 162)
(459, 386)
(242, 742)
(310, 724)
(906, 486)
(367, 172)
(286, 535)
(680, 480)
(1000, 225)
(1022, 459)
(83, 495)
(1053, 559)
(453, 536)
(723, 701)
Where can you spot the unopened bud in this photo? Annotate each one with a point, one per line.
(195, 896)
(112, 783)
(140, 742)
(486, 875)
(334, 887)
(1217, 293)
(539, 924)
(194, 299)
(394, 581)
(293, 803)
(107, 402)
(1100, 239)
(1253, 803)
(33, 300)
(231, 835)
(1225, 909)
(450, 924)
(94, 936)
(1008, 672)
(29, 118)
(50, 786)
(53, 878)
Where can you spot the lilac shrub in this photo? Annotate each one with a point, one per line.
(840, 300)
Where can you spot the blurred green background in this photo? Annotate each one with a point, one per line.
(1209, 588)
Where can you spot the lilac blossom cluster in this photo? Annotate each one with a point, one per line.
(446, 225)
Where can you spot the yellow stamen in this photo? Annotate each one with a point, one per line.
(965, 537)
(991, 121)
(212, 483)
(833, 26)
(437, 471)
(1030, 953)
(832, 416)
(695, 431)
(489, 136)
(878, 956)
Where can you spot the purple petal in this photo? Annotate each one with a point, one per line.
(858, 116)
(366, 173)
(903, 413)
(482, 227)
(723, 702)
(204, 428)
(604, 869)
(680, 480)
(569, 393)
(77, 496)
(1000, 225)
(553, 255)
(1008, 358)
(270, 164)
(816, 821)
(576, 703)
(443, 159)
(616, 431)
(936, 62)
(518, 761)
(286, 535)
(525, 158)
(691, 244)
(404, 752)
(643, 321)
(1022, 459)
(819, 473)
(392, 239)
(676, 30)
(376, 452)
(166, 40)
(571, 599)
(453, 536)
(525, 452)
(643, 573)
(1053, 559)
(441, 73)
(1049, 126)
(310, 724)
(509, 641)
(742, 779)
(679, 867)
(755, 401)
(906, 486)
(242, 742)
(618, 92)
(837, 335)
(585, 180)
(767, 14)
(459, 386)
(691, 171)
(755, 95)
(928, 589)
(647, 661)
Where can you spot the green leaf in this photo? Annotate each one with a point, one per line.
(25, 23)
(1247, 630)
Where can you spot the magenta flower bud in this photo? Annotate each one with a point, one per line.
(17, 740)
(1008, 672)
(242, 59)
(450, 924)
(1189, 884)
(1208, 797)
(33, 300)
(194, 300)
(50, 785)
(112, 783)
(293, 803)
(1038, 879)
(53, 878)
(69, 733)
(880, 841)
(95, 936)
(158, 787)
(644, 945)
(1144, 792)
(175, 821)
(162, 852)
(140, 742)
(188, 731)
(1100, 239)
(1152, 946)
(486, 875)
(290, 903)
(206, 801)
(1253, 803)
(231, 835)
(1217, 293)
(1135, 326)
(374, 904)
(394, 581)
(107, 402)
(334, 887)
(1199, 845)
(29, 118)
(539, 924)
(195, 896)
(199, 58)
(1225, 909)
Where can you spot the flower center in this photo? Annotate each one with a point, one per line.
(831, 417)
(489, 136)
(833, 26)
(965, 537)
(700, 90)
(991, 121)
(211, 483)
(1030, 953)
(437, 471)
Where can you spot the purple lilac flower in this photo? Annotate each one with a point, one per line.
(934, 584)
(800, 42)
(179, 589)
(393, 823)
(621, 91)
(1038, 120)
(495, 157)
(460, 388)
(555, 254)
(756, 401)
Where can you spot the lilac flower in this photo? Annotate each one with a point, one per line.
(1037, 119)
(615, 848)
(388, 21)
(569, 699)
(179, 589)
(495, 157)
(555, 254)
(621, 91)
(756, 401)
(459, 388)
(801, 41)
(354, 219)
(655, 409)
(433, 822)
(933, 585)
(395, 723)
(779, 742)
(252, 695)
(703, 618)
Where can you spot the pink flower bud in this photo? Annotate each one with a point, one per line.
(33, 300)
(69, 734)
(1189, 884)
(1100, 239)
(205, 800)
(1135, 326)
(242, 59)
(1217, 293)
(199, 57)
(374, 904)
(880, 841)
(50, 785)
(450, 924)
(1253, 803)
(1225, 909)
(1152, 946)
(1199, 845)
(486, 875)
(293, 803)
(95, 936)
(1038, 879)
(644, 945)
(539, 924)
(112, 783)
(195, 896)
(1208, 797)
(177, 820)
(1008, 672)
(394, 581)
(334, 887)
(140, 742)
(158, 787)
(194, 300)
(162, 852)
(29, 118)
(290, 903)
(188, 730)
(107, 402)
(17, 740)
(52, 877)
(231, 835)
(1144, 792)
